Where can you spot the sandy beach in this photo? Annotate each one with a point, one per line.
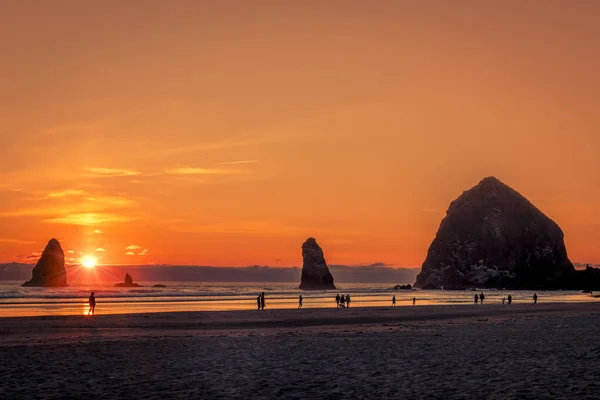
(522, 351)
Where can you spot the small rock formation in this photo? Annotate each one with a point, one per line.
(403, 287)
(159, 286)
(587, 280)
(315, 273)
(128, 282)
(493, 237)
(50, 269)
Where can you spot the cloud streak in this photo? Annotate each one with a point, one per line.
(89, 219)
(238, 162)
(15, 241)
(226, 144)
(202, 171)
(110, 172)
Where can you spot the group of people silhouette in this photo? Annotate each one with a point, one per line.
(481, 297)
(260, 301)
(343, 301)
(340, 301)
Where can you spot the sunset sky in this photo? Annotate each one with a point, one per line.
(227, 132)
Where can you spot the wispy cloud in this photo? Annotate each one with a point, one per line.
(100, 250)
(110, 172)
(202, 171)
(133, 247)
(89, 219)
(15, 241)
(143, 252)
(130, 253)
(97, 231)
(225, 144)
(69, 128)
(238, 162)
(245, 227)
(67, 193)
(34, 256)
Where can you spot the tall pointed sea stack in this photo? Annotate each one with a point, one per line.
(315, 274)
(494, 237)
(50, 269)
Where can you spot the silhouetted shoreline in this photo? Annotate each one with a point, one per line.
(419, 351)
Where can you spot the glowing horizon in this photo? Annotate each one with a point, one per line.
(201, 134)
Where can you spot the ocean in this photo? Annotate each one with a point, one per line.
(17, 301)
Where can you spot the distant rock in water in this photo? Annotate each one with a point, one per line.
(128, 282)
(403, 287)
(494, 237)
(50, 269)
(159, 286)
(315, 273)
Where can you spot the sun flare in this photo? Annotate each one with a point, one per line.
(88, 262)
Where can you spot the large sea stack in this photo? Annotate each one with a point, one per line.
(493, 237)
(50, 269)
(315, 273)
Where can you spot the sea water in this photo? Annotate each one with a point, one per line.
(17, 301)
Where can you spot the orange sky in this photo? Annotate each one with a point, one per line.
(226, 132)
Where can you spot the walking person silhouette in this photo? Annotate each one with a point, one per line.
(300, 301)
(92, 301)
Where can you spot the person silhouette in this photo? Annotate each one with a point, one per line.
(509, 299)
(300, 301)
(535, 298)
(258, 301)
(342, 301)
(337, 300)
(92, 301)
(348, 300)
(262, 300)
(481, 297)
(476, 298)
(503, 300)
(414, 300)
(393, 300)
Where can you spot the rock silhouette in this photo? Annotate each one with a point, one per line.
(315, 273)
(50, 269)
(128, 282)
(494, 237)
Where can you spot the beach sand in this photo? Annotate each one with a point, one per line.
(523, 351)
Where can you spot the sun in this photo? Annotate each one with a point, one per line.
(88, 262)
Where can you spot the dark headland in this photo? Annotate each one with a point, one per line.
(493, 237)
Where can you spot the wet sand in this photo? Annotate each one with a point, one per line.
(523, 351)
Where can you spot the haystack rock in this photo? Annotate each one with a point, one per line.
(315, 273)
(50, 269)
(128, 282)
(494, 237)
